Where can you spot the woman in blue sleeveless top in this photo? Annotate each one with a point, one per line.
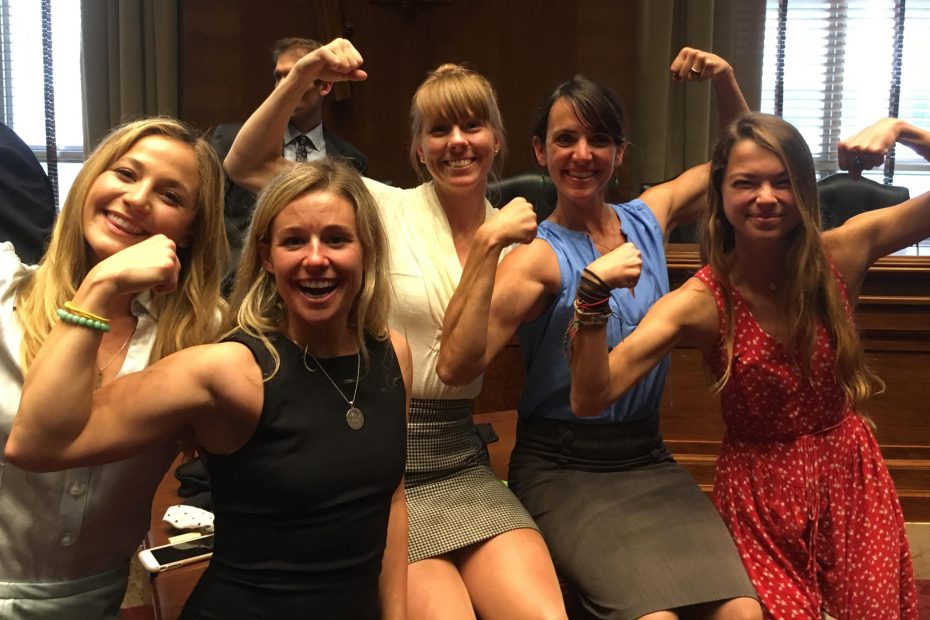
(629, 531)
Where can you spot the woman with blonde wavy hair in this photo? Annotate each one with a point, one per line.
(800, 480)
(472, 545)
(67, 537)
(300, 409)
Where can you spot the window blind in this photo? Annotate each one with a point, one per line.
(833, 67)
(40, 82)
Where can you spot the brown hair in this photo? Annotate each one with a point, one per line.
(594, 104)
(293, 43)
(812, 291)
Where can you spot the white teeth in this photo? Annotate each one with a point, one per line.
(318, 288)
(460, 163)
(320, 284)
(125, 224)
(581, 175)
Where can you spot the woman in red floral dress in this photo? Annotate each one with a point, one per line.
(800, 480)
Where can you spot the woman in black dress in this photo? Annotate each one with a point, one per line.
(300, 409)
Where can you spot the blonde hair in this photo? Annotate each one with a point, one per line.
(812, 291)
(187, 317)
(454, 93)
(260, 310)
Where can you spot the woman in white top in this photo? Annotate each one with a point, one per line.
(66, 537)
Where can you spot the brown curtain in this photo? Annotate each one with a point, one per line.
(129, 61)
(675, 125)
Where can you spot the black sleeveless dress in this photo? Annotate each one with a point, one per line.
(302, 509)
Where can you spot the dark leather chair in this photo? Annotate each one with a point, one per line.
(535, 187)
(842, 197)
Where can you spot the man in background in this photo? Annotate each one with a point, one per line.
(305, 140)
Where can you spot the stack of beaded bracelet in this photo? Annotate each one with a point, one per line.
(592, 305)
(76, 316)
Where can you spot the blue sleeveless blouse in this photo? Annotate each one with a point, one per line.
(548, 388)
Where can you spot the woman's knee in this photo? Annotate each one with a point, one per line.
(743, 608)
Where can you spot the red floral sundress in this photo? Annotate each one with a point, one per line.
(801, 482)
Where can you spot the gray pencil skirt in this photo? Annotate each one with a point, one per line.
(629, 531)
(453, 498)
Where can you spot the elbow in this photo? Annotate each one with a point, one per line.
(233, 169)
(24, 456)
(453, 373)
(240, 173)
(584, 407)
(449, 374)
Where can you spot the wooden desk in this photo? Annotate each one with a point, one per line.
(171, 588)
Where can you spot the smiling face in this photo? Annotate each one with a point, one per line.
(580, 160)
(758, 199)
(315, 256)
(458, 154)
(152, 189)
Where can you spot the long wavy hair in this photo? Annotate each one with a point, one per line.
(190, 315)
(454, 93)
(811, 291)
(260, 311)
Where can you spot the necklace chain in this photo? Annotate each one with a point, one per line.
(358, 370)
(100, 369)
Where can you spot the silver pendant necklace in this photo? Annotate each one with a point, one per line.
(354, 416)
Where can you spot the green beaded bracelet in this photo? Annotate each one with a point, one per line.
(81, 321)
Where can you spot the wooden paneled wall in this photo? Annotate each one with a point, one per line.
(524, 47)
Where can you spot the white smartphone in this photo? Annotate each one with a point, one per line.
(165, 557)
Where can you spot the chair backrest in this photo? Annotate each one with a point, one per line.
(842, 197)
(535, 187)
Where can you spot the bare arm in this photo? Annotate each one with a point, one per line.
(865, 238)
(697, 65)
(62, 421)
(490, 301)
(683, 199)
(867, 149)
(392, 584)
(687, 315)
(130, 414)
(255, 157)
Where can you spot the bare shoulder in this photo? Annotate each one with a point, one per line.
(535, 262)
(228, 370)
(834, 239)
(235, 392)
(208, 359)
(697, 295)
(844, 247)
(693, 309)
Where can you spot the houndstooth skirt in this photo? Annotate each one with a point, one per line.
(453, 498)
